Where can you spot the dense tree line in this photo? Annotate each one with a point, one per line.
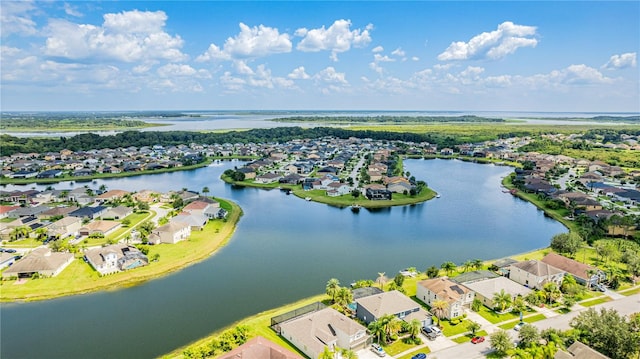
(87, 141)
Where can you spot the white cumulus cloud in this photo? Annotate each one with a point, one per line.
(15, 18)
(377, 49)
(330, 75)
(622, 61)
(337, 38)
(251, 42)
(299, 74)
(128, 36)
(492, 45)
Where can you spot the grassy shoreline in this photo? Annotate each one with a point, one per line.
(80, 278)
(6, 181)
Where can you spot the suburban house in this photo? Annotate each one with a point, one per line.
(195, 221)
(5, 211)
(337, 189)
(578, 350)
(260, 348)
(583, 273)
(312, 332)
(115, 258)
(147, 196)
(42, 261)
(102, 227)
(249, 173)
(267, 178)
(56, 212)
(372, 307)
(376, 191)
(172, 232)
(534, 273)
(111, 195)
(64, 227)
(118, 212)
(485, 289)
(89, 212)
(457, 295)
(210, 210)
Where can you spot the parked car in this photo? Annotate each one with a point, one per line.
(376, 348)
(601, 287)
(429, 333)
(8, 250)
(436, 330)
(419, 356)
(519, 326)
(477, 339)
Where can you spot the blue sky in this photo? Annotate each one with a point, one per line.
(567, 56)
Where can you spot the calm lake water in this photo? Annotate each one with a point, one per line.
(284, 249)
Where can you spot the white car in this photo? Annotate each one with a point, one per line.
(519, 326)
(376, 348)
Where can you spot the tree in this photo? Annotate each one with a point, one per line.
(126, 222)
(332, 288)
(467, 265)
(477, 263)
(381, 280)
(377, 329)
(473, 327)
(568, 301)
(205, 190)
(348, 354)
(528, 335)
(566, 243)
(607, 332)
(413, 328)
(398, 279)
(500, 342)
(343, 296)
(326, 354)
(432, 272)
(41, 233)
(439, 308)
(448, 267)
(502, 300)
(519, 305)
(551, 291)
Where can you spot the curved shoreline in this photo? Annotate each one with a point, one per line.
(132, 278)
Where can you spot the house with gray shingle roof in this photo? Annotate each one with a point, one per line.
(115, 258)
(372, 307)
(485, 289)
(42, 261)
(312, 332)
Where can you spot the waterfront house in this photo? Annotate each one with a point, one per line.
(202, 208)
(377, 192)
(583, 273)
(6, 211)
(115, 258)
(260, 348)
(372, 307)
(535, 274)
(196, 221)
(41, 261)
(267, 178)
(249, 173)
(485, 289)
(457, 295)
(111, 195)
(312, 332)
(172, 232)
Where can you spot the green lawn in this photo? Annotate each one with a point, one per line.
(23, 243)
(629, 292)
(590, 303)
(450, 330)
(79, 277)
(531, 319)
(397, 347)
(467, 337)
(494, 317)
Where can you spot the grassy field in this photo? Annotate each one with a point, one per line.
(79, 277)
(531, 319)
(592, 302)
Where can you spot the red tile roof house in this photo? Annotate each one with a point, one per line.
(6, 210)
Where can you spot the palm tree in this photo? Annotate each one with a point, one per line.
(332, 288)
(348, 354)
(414, 327)
(377, 329)
(381, 279)
(439, 309)
(205, 190)
(343, 296)
(473, 327)
(326, 354)
(467, 265)
(393, 325)
(448, 267)
(519, 305)
(502, 300)
(551, 291)
(477, 263)
(41, 233)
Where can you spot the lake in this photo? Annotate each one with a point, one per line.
(284, 249)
